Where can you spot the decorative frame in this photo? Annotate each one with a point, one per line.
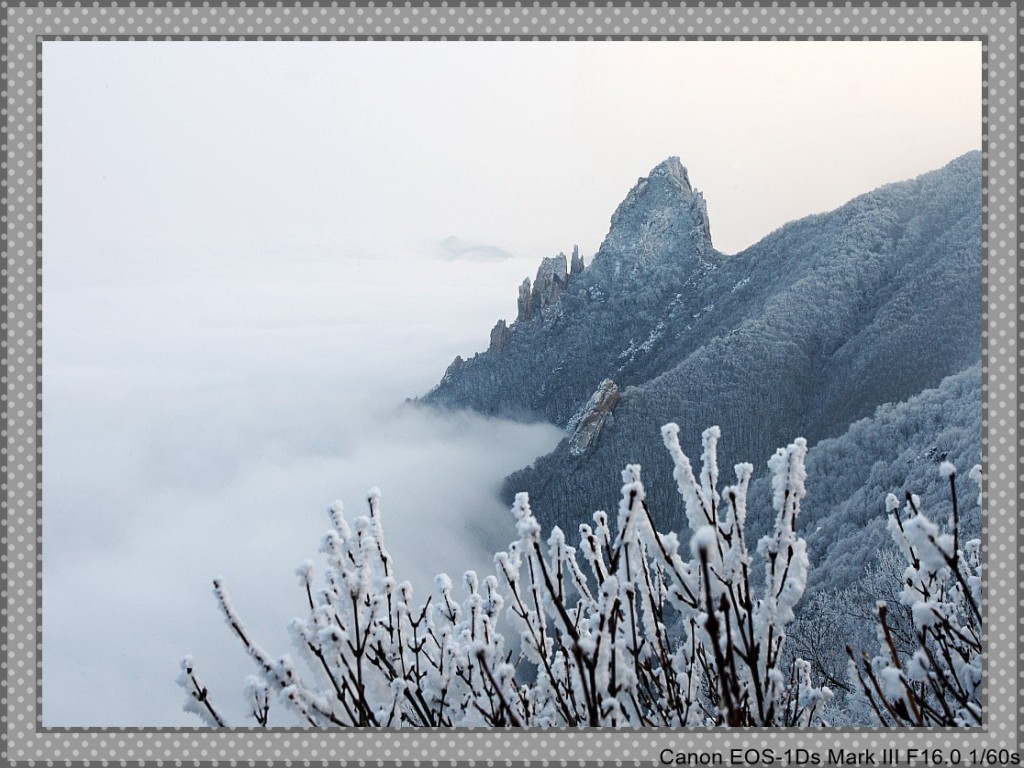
(27, 24)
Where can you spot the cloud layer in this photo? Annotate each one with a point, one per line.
(199, 420)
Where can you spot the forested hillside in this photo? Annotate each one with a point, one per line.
(804, 333)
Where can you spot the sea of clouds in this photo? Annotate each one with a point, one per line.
(202, 412)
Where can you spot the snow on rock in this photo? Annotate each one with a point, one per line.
(452, 371)
(500, 334)
(653, 209)
(595, 415)
(552, 277)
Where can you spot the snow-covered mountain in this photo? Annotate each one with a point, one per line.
(804, 333)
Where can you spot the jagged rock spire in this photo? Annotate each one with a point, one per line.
(576, 266)
(525, 303)
(663, 215)
(500, 334)
(552, 279)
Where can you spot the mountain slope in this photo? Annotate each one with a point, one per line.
(898, 448)
(803, 333)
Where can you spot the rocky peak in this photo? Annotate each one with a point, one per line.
(672, 168)
(663, 215)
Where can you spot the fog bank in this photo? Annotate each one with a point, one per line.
(200, 417)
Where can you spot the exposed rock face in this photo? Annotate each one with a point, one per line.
(453, 370)
(700, 210)
(499, 337)
(576, 266)
(595, 415)
(662, 216)
(552, 278)
(525, 303)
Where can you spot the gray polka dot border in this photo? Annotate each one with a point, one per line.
(27, 24)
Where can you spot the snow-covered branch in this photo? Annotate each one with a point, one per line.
(633, 633)
(939, 682)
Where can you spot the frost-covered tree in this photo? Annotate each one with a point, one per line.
(850, 613)
(939, 682)
(625, 629)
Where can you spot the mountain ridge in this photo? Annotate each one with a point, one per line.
(804, 332)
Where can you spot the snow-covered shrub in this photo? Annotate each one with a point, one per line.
(939, 683)
(198, 699)
(625, 629)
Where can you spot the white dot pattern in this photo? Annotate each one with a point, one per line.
(27, 24)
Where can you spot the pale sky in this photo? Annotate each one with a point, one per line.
(244, 277)
(526, 145)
